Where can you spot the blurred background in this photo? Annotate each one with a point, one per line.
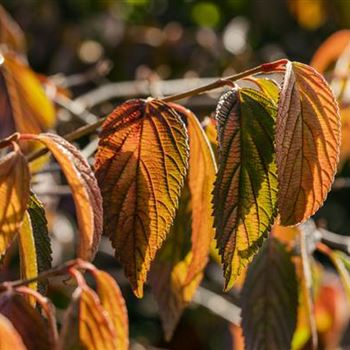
(86, 44)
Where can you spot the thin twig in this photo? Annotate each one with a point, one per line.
(88, 129)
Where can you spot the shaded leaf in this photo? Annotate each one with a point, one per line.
(26, 320)
(140, 164)
(34, 243)
(86, 325)
(113, 302)
(11, 34)
(307, 143)
(24, 105)
(9, 337)
(270, 299)
(85, 192)
(14, 195)
(246, 186)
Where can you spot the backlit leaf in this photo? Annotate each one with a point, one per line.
(26, 320)
(34, 243)
(11, 34)
(246, 186)
(201, 178)
(270, 299)
(141, 165)
(85, 192)
(24, 106)
(87, 325)
(113, 302)
(307, 143)
(9, 337)
(14, 194)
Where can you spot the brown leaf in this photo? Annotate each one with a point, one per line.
(9, 337)
(140, 164)
(87, 325)
(11, 34)
(307, 142)
(26, 320)
(14, 195)
(113, 302)
(85, 191)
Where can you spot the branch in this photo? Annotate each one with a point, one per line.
(264, 68)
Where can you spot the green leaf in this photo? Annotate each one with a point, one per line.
(245, 191)
(270, 299)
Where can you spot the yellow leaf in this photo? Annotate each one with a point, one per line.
(14, 194)
(307, 143)
(11, 34)
(113, 302)
(86, 325)
(140, 164)
(85, 192)
(178, 268)
(246, 185)
(24, 106)
(9, 337)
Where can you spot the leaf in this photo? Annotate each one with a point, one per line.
(270, 299)
(201, 178)
(85, 192)
(14, 194)
(26, 320)
(330, 50)
(113, 302)
(9, 337)
(11, 34)
(268, 87)
(246, 186)
(24, 106)
(34, 243)
(307, 143)
(141, 165)
(86, 324)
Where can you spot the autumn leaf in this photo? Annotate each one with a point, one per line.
(201, 178)
(141, 165)
(86, 324)
(307, 143)
(113, 303)
(85, 192)
(11, 34)
(270, 299)
(330, 50)
(246, 186)
(26, 320)
(9, 337)
(34, 243)
(24, 107)
(14, 194)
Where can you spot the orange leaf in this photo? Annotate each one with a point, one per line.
(11, 34)
(140, 165)
(85, 191)
(113, 302)
(24, 105)
(26, 320)
(201, 178)
(307, 142)
(86, 324)
(9, 337)
(14, 195)
(330, 50)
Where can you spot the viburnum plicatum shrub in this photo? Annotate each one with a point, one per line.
(161, 195)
